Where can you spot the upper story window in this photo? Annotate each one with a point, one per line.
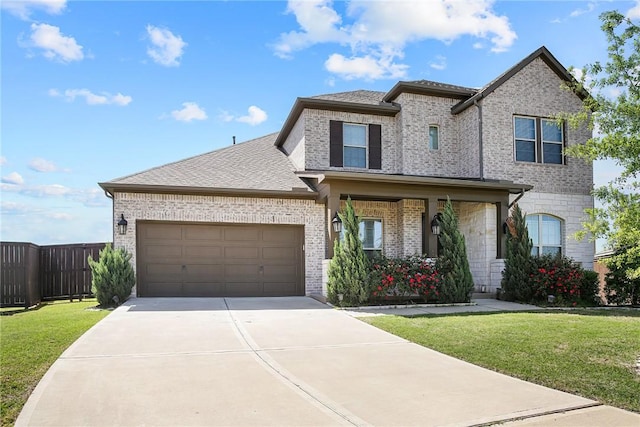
(538, 140)
(545, 232)
(354, 145)
(434, 137)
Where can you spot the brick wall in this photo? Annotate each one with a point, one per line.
(569, 208)
(294, 146)
(220, 209)
(534, 91)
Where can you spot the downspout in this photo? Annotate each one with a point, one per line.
(517, 198)
(480, 152)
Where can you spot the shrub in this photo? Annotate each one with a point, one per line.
(558, 276)
(453, 264)
(404, 278)
(590, 288)
(349, 267)
(622, 285)
(112, 276)
(517, 262)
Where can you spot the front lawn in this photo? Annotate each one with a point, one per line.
(591, 353)
(31, 341)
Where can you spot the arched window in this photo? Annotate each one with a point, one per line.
(546, 233)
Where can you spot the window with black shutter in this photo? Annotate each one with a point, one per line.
(355, 145)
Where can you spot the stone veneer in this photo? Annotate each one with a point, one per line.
(222, 209)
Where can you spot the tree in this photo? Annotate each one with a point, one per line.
(453, 264)
(349, 267)
(614, 110)
(517, 262)
(112, 276)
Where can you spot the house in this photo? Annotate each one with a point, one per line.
(254, 219)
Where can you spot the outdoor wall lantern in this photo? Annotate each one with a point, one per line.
(337, 223)
(122, 225)
(435, 224)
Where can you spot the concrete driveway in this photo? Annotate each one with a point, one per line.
(268, 361)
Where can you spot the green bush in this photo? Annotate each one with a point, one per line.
(622, 284)
(556, 275)
(517, 262)
(348, 282)
(112, 276)
(590, 288)
(453, 264)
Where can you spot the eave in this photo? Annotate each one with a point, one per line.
(111, 188)
(429, 90)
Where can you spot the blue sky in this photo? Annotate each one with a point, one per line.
(95, 90)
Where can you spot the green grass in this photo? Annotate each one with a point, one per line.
(30, 341)
(591, 353)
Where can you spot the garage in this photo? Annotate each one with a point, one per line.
(219, 260)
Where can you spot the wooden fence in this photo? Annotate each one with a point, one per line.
(33, 273)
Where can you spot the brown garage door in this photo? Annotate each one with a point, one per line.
(178, 259)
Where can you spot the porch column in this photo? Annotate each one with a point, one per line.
(333, 206)
(502, 210)
(431, 208)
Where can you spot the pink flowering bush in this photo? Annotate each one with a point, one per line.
(558, 276)
(404, 278)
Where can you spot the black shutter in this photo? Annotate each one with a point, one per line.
(375, 147)
(564, 141)
(335, 143)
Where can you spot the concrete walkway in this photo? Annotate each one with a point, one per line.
(278, 361)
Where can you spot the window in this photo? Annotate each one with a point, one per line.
(538, 140)
(371, 236)
(433, 137)
(545, 232)
(354, 144)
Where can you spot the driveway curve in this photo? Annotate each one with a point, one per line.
(268, 361)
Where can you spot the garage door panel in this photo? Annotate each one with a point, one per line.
(207, 252)
(203, 232)
(286, 235)
(241, 234)
(183, 259)
(241, 273)
(204, 273)
(241, 253)
(279, 253)
(160, 231)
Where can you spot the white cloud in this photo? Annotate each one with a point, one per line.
(634, 12)
(378, 31)
(225, 116)
(56, 46)
(166, 48)
(190, 111)
(104, 98)
(440, 63)
(577, 12)
(3, 160)
(255, 117)
(88, 197)
(39, 164)
(24, 8)
(63, 216)
(13, 178)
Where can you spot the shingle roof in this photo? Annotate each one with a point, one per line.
(252, 165)
(361, 96)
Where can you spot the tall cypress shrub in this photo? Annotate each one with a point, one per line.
(349, 267)
(453, 264)
(517, 263)
(112, 276)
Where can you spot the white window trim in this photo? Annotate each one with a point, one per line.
(437, 127)
(365, 147)
(560, 143)
(381, 249)
(534, 140)
(540, 244)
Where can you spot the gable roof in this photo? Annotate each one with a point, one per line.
(252, 167)
(542, 53)
(428, 87)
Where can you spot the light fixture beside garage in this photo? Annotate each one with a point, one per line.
(337, 223)
(122, 225)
